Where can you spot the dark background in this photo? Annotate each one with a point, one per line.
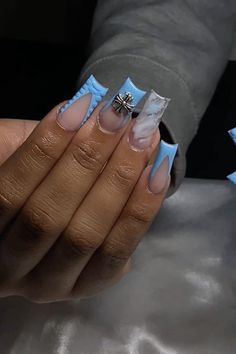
(33, 79)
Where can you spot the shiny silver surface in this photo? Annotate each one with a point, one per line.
(180, 297)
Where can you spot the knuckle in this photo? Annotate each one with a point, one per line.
(43, 149)
(114, 255)
(86, 155)
(138, 216)
(77, 246)
(35, 224)
(123, 176)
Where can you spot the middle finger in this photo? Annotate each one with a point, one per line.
(51, 206)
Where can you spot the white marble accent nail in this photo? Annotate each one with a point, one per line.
(148, 121)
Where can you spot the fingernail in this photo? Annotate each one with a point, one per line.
(232, 133)
(147, 122)
(73, 114)
(232, 177)
(118, 110)
(161, 168)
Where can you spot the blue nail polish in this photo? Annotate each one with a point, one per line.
(129, 86)
(232, 177)
(232, 133)
(165, 150)
(116, 113)
(93, 87)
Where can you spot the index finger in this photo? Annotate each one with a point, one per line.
(25, 169)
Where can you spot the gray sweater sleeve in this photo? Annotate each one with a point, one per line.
(177, 47)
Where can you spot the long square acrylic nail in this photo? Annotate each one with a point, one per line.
(147, 122)
(74, 113)
(118, 110)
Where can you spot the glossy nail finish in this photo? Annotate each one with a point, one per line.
(232, 177)
(73, 114)
(147, 122)
(118, 110)
(232, 133)
(162, 166)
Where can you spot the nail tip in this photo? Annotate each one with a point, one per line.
(166, 150)
(173, 147)
(92, 86)
(232, 177)
(98, 84)
(151, 114)
(137, 93)
(232, 134)
(123, 102)
(156, 105)
(167, 99)
(232, 130)
(135, 86)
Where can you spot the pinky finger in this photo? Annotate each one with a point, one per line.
(143, 205)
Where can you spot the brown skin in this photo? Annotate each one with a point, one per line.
(67, 229)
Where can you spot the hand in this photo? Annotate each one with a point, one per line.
(73, 207)
(13, 133)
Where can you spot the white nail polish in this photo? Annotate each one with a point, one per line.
(148, 121)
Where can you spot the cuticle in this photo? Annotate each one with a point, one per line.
(58, 110)
(66, 130)
(150, 192)
(104, 130)
(140, 150)
(165, 189)
(133, 147)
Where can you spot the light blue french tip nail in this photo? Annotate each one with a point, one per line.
(93, 87)
(232, 133)
(232, 177)
(129, 86)
(165, 150)
(134, 90)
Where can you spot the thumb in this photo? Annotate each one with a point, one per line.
(13, 133)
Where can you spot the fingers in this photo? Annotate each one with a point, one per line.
(13, 133)
(50, 208)
(110, 259)
(95, 217)
(85, 210)
(26, 168)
